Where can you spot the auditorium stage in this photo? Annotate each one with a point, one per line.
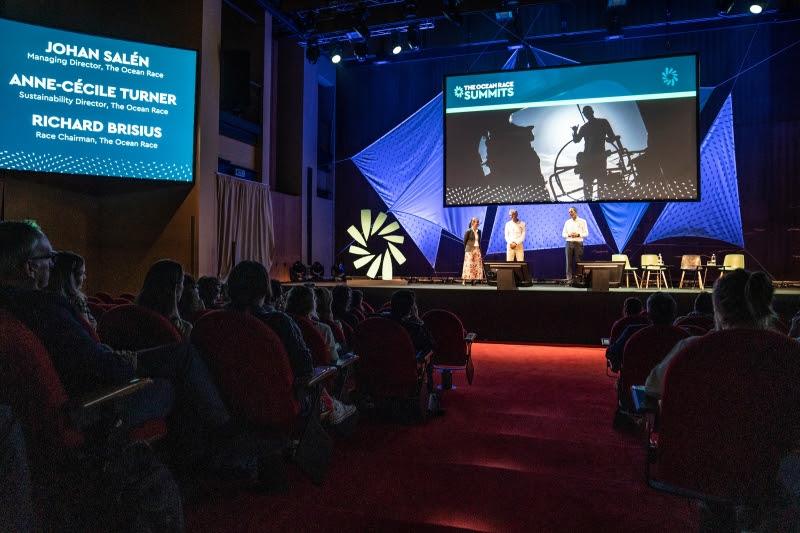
(543, 313)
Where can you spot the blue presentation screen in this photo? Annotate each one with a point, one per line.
(79, 104)
(623, 131)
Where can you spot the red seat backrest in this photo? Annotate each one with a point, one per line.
(251, 367)
(449, 347)
(368, 309)
(338, 332)
(97, 310)
(128, 296)
(730, 411)
(359, 314)
(701, 321)
(132, 327)
(644, 350)
(387, 366)
(30, 384)
(104, 297)
(622, 323)
(315, 341)
(694, 331)
(348, 331)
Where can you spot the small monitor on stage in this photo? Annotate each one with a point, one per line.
(508, 275)
(599, 275)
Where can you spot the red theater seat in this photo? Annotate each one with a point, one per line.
(253, 372)
(644, 350)
(314, 340)
(368, 309)
(132, 327)
(66, 438)
(104, 297)
(620, 325)
(705, 322)
(730, 410)
(452, 345)
(338, 332)
(694, 331)
(251, 367)
(388, 368)
(128, 296)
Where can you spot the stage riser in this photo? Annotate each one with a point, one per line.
(541, 316)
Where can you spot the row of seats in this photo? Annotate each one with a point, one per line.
(726, 415)
(691, 264)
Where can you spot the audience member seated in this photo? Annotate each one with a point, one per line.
(84, 364)
(161, 291)
(277, 298)
(325, 314)
(660, 310)
(342, 299)
(404, 310)
(631, 314)
(249, 287)
(357, 304)
(702, 315)
(302, 302)
(209, 289)
(66, 279)
(190, 303)
(742, 300)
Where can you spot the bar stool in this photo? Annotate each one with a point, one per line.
(628, 269)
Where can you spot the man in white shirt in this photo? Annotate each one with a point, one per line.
(575, 230)
(515, 238)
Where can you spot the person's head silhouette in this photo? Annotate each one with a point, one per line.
(588, 112)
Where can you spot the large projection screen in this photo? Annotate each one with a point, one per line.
(622, 131)
(85, 105)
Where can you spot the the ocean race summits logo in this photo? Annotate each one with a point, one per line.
(669, 76)
(482, 91)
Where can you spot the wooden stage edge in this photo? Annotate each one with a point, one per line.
(543, 313)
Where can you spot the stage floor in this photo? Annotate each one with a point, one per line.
(542, 313)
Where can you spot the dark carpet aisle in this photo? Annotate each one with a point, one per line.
(527, 447)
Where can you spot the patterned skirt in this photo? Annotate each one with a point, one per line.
(473, 265)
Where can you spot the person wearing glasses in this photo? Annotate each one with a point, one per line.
(183, 387)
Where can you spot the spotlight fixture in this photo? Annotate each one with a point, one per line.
(336, 56)
(757, 7)
(451, 9)
(397, 47)
(312, 51)
(412, 38)
(360, 50)
(724, 7)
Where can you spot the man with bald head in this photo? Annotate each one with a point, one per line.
(515, 237)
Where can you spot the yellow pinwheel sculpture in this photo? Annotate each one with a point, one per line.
(375, 244)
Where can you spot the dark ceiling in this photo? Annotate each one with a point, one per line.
(447, 27)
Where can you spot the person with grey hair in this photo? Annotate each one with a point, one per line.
(515, 237)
